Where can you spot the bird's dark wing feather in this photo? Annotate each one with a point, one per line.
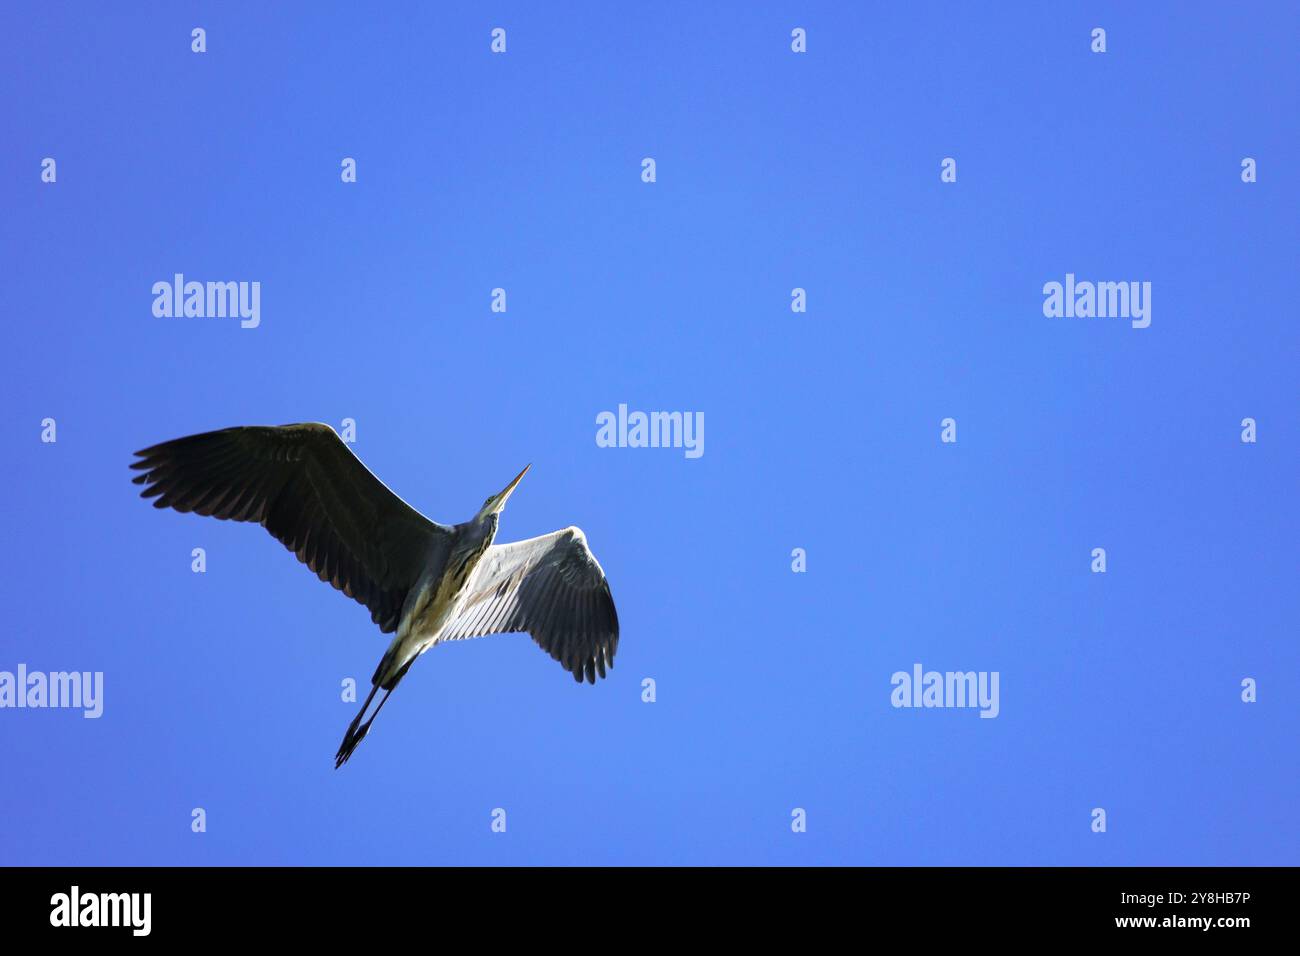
(553, 588)
(304, 485)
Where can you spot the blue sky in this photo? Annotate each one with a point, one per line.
(775, 170)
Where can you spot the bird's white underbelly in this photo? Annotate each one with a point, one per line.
(438, 621)
(428, 623)
(433, 612)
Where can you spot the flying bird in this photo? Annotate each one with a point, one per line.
(423, 582)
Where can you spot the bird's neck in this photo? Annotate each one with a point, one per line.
(484, 528)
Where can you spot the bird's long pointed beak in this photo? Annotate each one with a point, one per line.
(509, 489)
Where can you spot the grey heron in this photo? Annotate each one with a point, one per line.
(423, 582)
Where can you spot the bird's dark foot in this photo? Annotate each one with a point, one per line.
(353, 737)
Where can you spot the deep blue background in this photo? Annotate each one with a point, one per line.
(775, 170)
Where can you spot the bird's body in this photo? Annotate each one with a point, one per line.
(440, 593)
(422, 581)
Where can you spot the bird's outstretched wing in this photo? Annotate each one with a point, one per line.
(553, 588)
(304, 485)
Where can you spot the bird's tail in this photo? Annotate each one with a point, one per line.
(357, 730)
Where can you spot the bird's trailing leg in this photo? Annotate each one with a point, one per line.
(357, 730)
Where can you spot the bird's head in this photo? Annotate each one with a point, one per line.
(495, 504)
